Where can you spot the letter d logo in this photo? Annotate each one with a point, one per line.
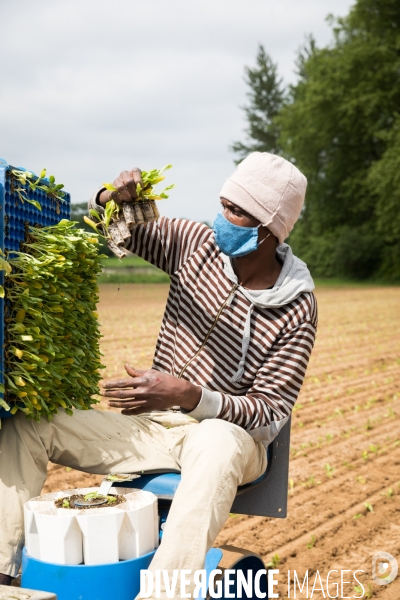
(384, 568)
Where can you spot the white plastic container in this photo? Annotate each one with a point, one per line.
(94, 536)
(139, 531)
(32, 541)
(100, 528)
(60, 538)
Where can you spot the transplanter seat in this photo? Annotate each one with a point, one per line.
(264, 497)
(267, 496)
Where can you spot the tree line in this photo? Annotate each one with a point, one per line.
(340, 124)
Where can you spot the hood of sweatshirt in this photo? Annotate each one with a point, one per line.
(293, 280)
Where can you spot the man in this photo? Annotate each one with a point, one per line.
(233, 348)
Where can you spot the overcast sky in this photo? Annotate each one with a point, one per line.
(92, 87)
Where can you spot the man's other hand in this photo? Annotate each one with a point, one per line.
(145, 391)
(126, 184)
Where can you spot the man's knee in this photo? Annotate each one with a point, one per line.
(216, 433)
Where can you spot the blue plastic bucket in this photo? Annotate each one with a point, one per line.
(120, 580)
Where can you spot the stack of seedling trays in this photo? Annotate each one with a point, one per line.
(49, 334)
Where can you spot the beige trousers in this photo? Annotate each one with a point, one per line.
(214, 457)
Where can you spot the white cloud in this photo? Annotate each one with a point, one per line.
(90, 88)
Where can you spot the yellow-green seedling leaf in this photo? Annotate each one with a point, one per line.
(110, 187)
(20, 316)
(42, 174)
(52, 179)
(90, 222)
(18, 352)
(5, 266)
(26, 338)
(4, 404)
(138, 189)
(165, 168)
(93, 213)
(35, 203)
(1, 291)
(2, 390)
(19, 381)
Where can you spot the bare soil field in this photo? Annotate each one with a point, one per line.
(344, 493)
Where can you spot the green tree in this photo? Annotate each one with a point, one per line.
(341, 127)
(267, 96)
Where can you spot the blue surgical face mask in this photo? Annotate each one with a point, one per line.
(233, 240)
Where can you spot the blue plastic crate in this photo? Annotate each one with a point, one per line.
(15, 216)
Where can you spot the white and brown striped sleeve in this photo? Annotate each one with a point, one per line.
(165, 243)
(277, 385)
(168, 243)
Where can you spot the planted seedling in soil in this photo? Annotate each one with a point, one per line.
(91, 500)
(311, 543)
(274, 563)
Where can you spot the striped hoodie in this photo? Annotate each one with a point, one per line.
(249, 354)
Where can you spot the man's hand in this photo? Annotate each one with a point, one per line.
(126, 184)
(145, 391)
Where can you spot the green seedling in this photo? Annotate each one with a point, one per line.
(365, 455)
(389, 414)
(274, 562)
(145, 193)
(389, 493)
(358, 516)
(311, 543)
(369, 506)
(329, 470)
(65, 503)
(310, 482)
(361, 479)
(369, 593)
(291, 485)
(97, 496)
(27, 181)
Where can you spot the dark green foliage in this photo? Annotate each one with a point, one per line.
(266, 99)
(341, 126)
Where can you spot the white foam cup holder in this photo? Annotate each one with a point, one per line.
(93, 536)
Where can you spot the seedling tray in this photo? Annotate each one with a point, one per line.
(15, 218)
